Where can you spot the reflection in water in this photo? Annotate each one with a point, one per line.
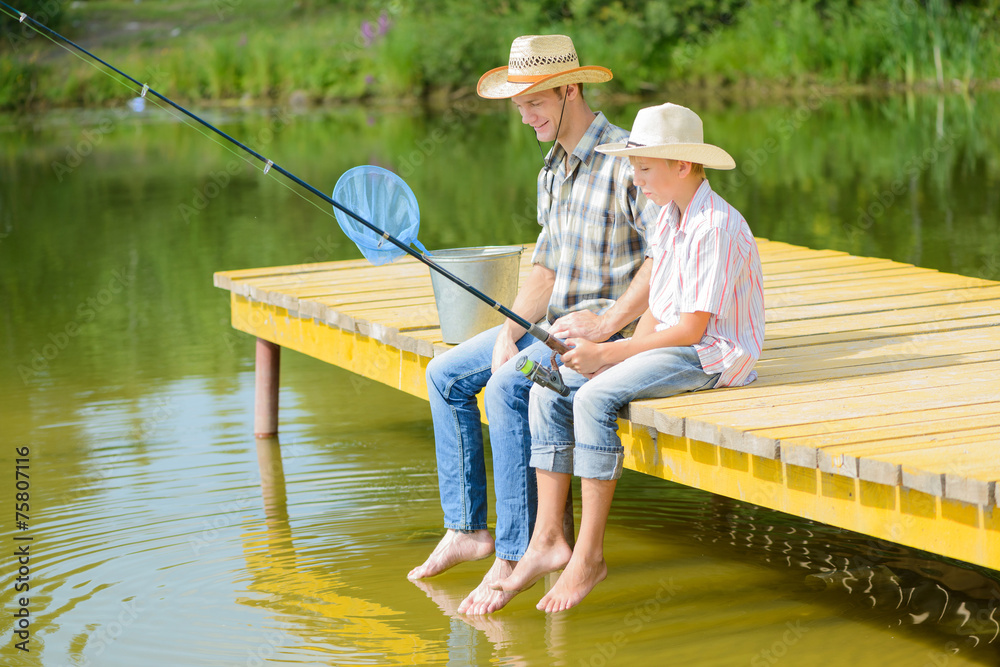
(120, 369)
(295, 586)
(878, 579)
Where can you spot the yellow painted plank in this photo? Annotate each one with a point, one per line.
(884, 303)
(358, 275)
(890, 350)
(839, 450)
(880, 462)
(899, 322)
(865, 289)
(350, 350)
(934, 418)
(867, 358)
(731, 427)
(904, 516)
(925, 469)
(225, 279)
(838, 276)
(884, 391)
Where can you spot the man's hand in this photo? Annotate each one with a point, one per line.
(503, 350)
(583, 324)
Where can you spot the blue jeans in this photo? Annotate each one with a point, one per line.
(586, 420)
(453, 380)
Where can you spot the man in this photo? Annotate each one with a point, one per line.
(591, 246)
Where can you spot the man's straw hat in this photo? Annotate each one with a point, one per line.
(672, 132)
(538, 62)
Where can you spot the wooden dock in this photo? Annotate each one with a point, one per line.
(877, 407)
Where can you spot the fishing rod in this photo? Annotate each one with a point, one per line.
(541, 334)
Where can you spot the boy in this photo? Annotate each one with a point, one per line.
(703, 329)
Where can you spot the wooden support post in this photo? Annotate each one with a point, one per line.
(265, 409)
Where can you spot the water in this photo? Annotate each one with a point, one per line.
(164, 534)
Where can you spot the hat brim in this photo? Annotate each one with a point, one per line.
(706, 155)
(495, 86)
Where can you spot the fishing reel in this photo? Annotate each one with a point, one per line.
(544, 377)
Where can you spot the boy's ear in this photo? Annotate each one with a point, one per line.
(684, 168)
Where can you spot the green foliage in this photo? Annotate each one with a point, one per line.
(391, 49)
(838, 42)
(14, 35)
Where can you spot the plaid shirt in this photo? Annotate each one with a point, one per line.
(593, 223)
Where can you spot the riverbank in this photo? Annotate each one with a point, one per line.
(310, 53)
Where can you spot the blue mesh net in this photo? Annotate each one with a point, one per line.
(383, 199)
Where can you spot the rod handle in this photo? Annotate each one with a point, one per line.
(550, 340)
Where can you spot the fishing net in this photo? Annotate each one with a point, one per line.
(387, 202)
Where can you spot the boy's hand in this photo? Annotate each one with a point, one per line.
(585, 358)
(583, 324)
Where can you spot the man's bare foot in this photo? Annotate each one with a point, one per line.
(576, 581)
(536, 563)
(484, 599)
(454, 548)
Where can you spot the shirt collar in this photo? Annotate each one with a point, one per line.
(584, 151)
(697, 203)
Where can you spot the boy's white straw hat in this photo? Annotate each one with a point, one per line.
(672, 132)
(538, 62)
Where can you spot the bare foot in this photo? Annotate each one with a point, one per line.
(454, 548)
(494, 627)
(536, 563)
(484, 599)
(576, 581)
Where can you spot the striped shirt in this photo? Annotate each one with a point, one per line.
(593, 223)
(707, 261)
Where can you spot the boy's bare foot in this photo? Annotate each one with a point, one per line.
(484, 599)
(575, 582)
(454, 548)
(535, 564)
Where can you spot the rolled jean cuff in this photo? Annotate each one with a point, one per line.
(593, 462)
(552, 456)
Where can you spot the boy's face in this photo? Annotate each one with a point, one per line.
(541, 111)
(658, 179)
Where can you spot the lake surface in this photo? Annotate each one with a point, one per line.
(162, 533)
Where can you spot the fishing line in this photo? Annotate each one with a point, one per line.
(531, 328)
(154, 101)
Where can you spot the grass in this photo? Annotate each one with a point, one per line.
(258, 51)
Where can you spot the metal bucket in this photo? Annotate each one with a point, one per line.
(493, 270)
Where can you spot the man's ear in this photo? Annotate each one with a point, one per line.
(572, 91)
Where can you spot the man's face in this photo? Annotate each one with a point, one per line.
(541, 111)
